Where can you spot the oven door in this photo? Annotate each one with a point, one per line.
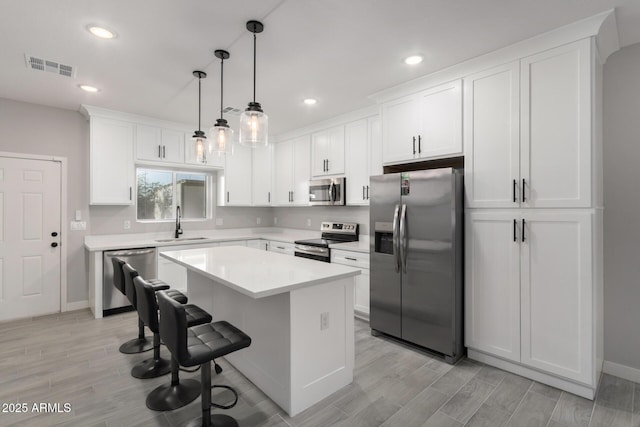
(312, 252)
(323, 192)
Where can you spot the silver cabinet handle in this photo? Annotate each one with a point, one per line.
(396, 240)
(403, 237)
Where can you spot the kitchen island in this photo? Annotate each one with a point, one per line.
(298, 313)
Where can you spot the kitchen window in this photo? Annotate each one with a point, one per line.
(159, 192)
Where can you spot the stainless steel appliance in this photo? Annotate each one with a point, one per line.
(144, 260)
(327, 192)
(332, 232)
(416, 258)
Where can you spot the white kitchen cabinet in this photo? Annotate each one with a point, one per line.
(262, 160)
(112, 174)
(234, 183)
(361, 289)
(529, 289)
(425, 125)
(191, 155)
(292, 172)
(281, 247)
(363, 158)
(258, 244)
(158, 144)
(492, 137)
(327, 152)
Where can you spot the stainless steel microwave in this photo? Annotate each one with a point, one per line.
(327, 192)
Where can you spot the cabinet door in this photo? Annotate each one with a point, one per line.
(172, 146)
(237, 178)
(400, 129)
(258, 244)
(148, 143)
(440, 129)
(261, 175)
(556, 127)
(556, 298)
(282, 173)
(111, 162)
(492, 138)
(361, 292)
(492, 284)
(357, 170)
(319, 153)
(335, 155)
(234, 243)
(375, 146)
(301, 170)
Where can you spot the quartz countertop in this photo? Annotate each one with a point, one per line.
(159, 240)
(257, 273)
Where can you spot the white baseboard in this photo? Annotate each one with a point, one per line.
(77, 305)
(621, 371)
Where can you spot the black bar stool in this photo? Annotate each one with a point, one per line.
(199, 345)
(136, 345)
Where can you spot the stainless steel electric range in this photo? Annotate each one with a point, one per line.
(332, 233)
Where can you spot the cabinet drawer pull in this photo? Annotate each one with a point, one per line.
(524, 199)
(351, 259)
(515, 225)
(419, 144)
(414, 145)
(523, 225)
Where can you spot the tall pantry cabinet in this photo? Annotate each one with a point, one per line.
(533, 284)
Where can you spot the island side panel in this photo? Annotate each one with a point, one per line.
(95, 283)
(322, 351)
(266, 320)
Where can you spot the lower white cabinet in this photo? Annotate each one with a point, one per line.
(281, 247)
(530, 288)
(361, 289)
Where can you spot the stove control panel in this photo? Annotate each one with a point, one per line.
(339, 227)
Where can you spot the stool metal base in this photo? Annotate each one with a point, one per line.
(151, 368)
(136, 345)
(168, 397)
(216, 420)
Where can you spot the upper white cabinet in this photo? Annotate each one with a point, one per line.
(112, 174)
(363, 158)
(159, 144)
(262, 159)
(292, 172)
(492, 137)
(425, 125)
(327, 152)
(528, 131)
(234, 182)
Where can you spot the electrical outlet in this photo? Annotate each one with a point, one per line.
(127, 225)
(258, 220)
(78, 225)
(219, 221)
(275, 220)
(324, 320)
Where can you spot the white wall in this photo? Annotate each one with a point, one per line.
(622, 207)
(297, 217)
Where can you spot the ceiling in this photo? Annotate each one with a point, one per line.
(336, 51)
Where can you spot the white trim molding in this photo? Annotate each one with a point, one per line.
(77, 305)
(621, 371)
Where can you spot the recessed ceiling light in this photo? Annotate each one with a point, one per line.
(88, 88)
(413, 60)
(101, 32)
(310, 101)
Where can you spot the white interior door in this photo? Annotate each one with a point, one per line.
(29, 216)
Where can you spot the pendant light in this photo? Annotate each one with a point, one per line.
(253, 121)
(221, 135)
(198, 136)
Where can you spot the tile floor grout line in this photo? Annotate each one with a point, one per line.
(519, 403)
(554, 408)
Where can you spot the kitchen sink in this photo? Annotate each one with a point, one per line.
(178, 239)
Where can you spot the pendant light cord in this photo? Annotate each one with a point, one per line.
(199, 102)
(254, 67)
(221, 85)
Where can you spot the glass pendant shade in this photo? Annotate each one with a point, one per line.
(254, 126)
(220, 139)
(201, 144)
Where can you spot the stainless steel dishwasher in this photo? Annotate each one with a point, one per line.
(144, 260)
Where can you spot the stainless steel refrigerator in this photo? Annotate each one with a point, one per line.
(416, 223)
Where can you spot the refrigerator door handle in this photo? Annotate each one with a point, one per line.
(403, 238)
(396, 246)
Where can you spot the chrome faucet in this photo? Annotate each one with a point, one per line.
(178, 228)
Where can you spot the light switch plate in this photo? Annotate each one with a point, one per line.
(127, 225)
(78, 225)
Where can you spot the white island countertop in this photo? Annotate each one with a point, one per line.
(258, 273)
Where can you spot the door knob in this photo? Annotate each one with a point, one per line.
(54, 244)
(54, 234)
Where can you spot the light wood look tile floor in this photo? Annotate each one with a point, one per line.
(72, 358)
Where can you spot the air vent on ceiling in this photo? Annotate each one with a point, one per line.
(55, 67)
(232, 111)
